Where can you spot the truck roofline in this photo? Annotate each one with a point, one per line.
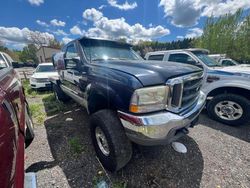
(179, 50)
(100, 39)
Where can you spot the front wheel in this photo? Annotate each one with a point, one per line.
(59, 94)
(230, 109)
(112, 146)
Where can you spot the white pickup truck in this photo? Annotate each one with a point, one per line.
(227, 88)
(223, 60)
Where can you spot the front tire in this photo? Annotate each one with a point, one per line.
(230, 109)
(112, 146)
(59, 94)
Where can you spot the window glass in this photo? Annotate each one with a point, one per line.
(182, 58)
(156, 57)
(45, 68)
(227, 63)
(101, 50)
(71, 51)
(2, 62)
(206, 59)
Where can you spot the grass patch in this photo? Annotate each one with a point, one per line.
(35, 109)
(37, 113)
(52, 106)
(28, 90)
(75, 146)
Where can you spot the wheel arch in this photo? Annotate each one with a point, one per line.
(233, 90)
(98, 101)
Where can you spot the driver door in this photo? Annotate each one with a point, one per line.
(72, 75)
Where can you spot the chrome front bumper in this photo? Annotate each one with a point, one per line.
(161, 127)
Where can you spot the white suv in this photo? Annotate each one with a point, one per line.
(227, 88)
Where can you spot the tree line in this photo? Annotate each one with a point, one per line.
(228, 34)
(148, 46)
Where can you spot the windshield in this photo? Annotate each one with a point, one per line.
(206, 59)
(108, 50)
(45, 68)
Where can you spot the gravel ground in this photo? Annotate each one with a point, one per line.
(218, 156)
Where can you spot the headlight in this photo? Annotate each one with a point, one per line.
(149, 99)
(33, 80)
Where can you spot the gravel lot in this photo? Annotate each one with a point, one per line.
(218, 156)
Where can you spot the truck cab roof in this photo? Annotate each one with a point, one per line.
(180, 50)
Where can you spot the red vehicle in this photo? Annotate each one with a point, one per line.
(16, 127)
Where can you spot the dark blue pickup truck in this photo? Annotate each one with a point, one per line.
(129, 99)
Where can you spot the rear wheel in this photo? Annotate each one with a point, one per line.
(29, 132)
(59, 94)
(230, 109)
(112, 146)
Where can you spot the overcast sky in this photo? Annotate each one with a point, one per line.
(162, 20)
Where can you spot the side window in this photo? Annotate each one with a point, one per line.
(227, 63)
(3, 64)
(181, 58)
(156, 57)
(71, 51)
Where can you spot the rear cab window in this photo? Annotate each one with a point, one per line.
(157, 57)
(181, 58)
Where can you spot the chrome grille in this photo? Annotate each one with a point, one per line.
(42, 80)
(184, 91)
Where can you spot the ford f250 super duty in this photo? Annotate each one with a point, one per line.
(128, 100)
(227, 88)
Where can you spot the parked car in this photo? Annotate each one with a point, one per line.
(223, 60)
(40, 77)
(16, 127)
(227, 88)
(127, 99)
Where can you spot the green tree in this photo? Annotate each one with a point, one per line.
(228, 34)
(29, 53)
(55, 44)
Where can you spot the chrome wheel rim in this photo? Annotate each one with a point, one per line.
(228, 110)
(102, 141)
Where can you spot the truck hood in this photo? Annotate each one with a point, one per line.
(244, 68)
(151, 72)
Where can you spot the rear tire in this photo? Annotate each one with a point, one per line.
(29, 132)
(234, 102)
(59, 94)
(114, 149)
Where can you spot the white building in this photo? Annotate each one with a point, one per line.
(45, 53)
